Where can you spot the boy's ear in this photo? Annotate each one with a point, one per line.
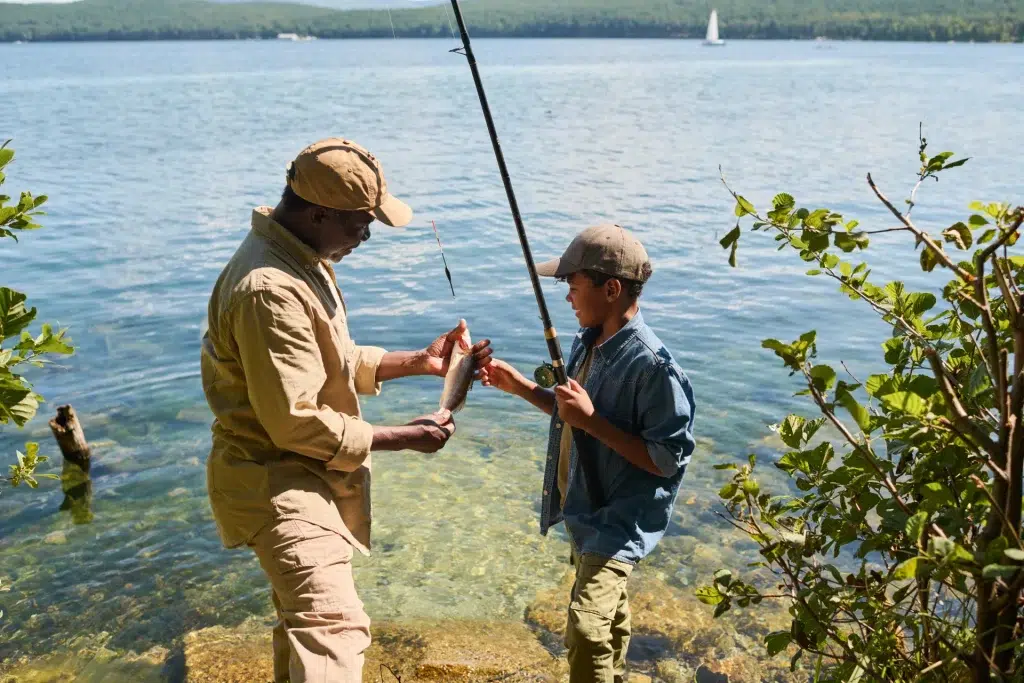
(613, 289)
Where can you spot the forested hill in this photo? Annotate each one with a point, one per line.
(961, 20)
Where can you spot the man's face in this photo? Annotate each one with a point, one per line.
(341, 232)
(592, 303)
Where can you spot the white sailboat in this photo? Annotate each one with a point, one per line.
(712, 36)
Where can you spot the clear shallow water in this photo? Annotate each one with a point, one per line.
(154, 154)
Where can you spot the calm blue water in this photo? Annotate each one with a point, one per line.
(154, 155)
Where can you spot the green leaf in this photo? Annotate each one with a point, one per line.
(731, 238)
(6, 155)
(723, 577)
(777, 641)
(743, 207)
(858, 412)
(906, 570)
(937, 495)
(732, 254)
(14, 317)
(960, 235)
(726, 466)
(916, 525)
(987, 236)
(729, 491)
(999, 571)
(876, 383)
(751, 487)
(928, 260)
(824, 377)
(906, 402)
(710, 595)
(977, 221)
(939, 159)
(783, 201)
(1014, 554)
(848, 241)
(17, 402)
(791, 431)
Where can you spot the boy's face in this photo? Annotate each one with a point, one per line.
(592, 303)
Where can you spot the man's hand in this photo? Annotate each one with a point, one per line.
(426, 434)
(574, 405)
(438, 354)
(429, 433)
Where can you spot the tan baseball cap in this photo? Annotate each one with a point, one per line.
(340, 174)
(608, 249)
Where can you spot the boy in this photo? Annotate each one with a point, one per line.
(632, 410)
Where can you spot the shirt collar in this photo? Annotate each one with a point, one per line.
(614, 344)
(267, 227)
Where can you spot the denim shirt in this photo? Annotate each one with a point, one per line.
(636, 385)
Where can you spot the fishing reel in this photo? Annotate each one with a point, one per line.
(544, 376)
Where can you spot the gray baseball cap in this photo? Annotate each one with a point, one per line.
(607, 248)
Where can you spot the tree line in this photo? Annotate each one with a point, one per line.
(920, 20)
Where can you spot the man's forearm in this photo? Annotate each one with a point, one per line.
(389, 438)
(629, 446)
(397, 364)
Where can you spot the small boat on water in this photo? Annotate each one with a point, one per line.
(712, 35)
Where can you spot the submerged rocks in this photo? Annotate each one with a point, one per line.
(453, 651)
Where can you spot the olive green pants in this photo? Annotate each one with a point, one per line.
(597, 631)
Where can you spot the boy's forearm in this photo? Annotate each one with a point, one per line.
(543, 399)
(629, 446)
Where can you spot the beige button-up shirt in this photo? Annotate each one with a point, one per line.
(282, 375)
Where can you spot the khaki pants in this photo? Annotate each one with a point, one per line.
(322, 630)
(597, 632)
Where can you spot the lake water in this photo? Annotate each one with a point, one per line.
(154, 154)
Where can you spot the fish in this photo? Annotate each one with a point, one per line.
(459, 379)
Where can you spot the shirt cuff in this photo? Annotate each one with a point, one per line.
(355, 445)
(664, 458)
(367, 361)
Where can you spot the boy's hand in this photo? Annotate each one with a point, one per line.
(501, 375)
(574, 405)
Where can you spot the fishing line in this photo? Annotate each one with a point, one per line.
(447, 273)
(449, 17)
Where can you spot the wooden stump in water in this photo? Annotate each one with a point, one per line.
(75, 481)
(70, 437)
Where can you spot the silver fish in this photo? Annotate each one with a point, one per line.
(459, 379)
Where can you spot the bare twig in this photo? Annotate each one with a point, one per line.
(940, 255)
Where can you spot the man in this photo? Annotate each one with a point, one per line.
(289, 472)
(632, 410)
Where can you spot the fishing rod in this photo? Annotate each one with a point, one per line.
(557, 366)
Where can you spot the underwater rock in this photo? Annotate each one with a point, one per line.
(195, 414)
(418, 652)
(93, 663)
(56, 538)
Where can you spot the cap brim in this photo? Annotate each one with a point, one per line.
(393, 212)
(558, 267)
